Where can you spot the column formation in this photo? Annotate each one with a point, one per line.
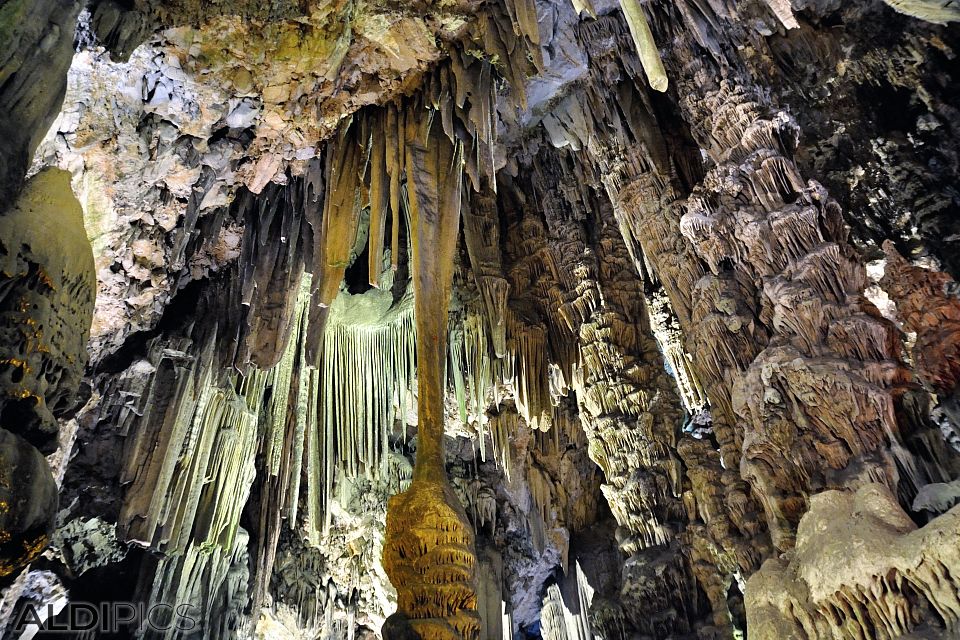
(429, 551)
(629, 406)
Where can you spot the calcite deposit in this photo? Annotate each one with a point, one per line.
(481, 319)
(47, 289)
(861, 568)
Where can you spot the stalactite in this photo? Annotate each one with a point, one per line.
(362, 386)
(471, 368)
(584, 6)
(481, 232)
(380, 196)
(784, 12)
(337, 232)
(525, 368)
(500, 427)
(645, 44)
(628, 404)
(565, 610)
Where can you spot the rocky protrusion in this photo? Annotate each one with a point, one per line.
(28, 503)
(47, 289)
(860, 569)
(929, 10)
(928, 304)
(36, 47)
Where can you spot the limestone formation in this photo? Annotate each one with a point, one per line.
(36, 45)
(47, 301)
(512, 318)
(860, 568)
(928, 305)
(429, 549)
(941, 12)
(28, 503)
(47, 288)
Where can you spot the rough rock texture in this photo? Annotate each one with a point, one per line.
(36, 46)
(628, 402)
(28, 503)
(860, 568)
(927, 10)
(654, 351)
(46, 303)
(928, 305)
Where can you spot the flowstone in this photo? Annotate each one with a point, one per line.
(47, 288)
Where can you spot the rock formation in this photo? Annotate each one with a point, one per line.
(481, 319)
(429, 551)
(47, 288)
(860, 568)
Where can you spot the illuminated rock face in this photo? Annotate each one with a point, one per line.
(648, 395)
(36, 45)
(46, 306)
(927, 10)
(430, 558)
(429, 549)
(928, 305)
(861, 567)
(47, 288)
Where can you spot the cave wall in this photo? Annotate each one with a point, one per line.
(684, 226)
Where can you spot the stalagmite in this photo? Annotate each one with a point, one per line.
(814, 310)
(428, 552)
(645, 212)
(565, 609)
(47, 291)
(861, 568)
(187, 504)
(665, 327)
